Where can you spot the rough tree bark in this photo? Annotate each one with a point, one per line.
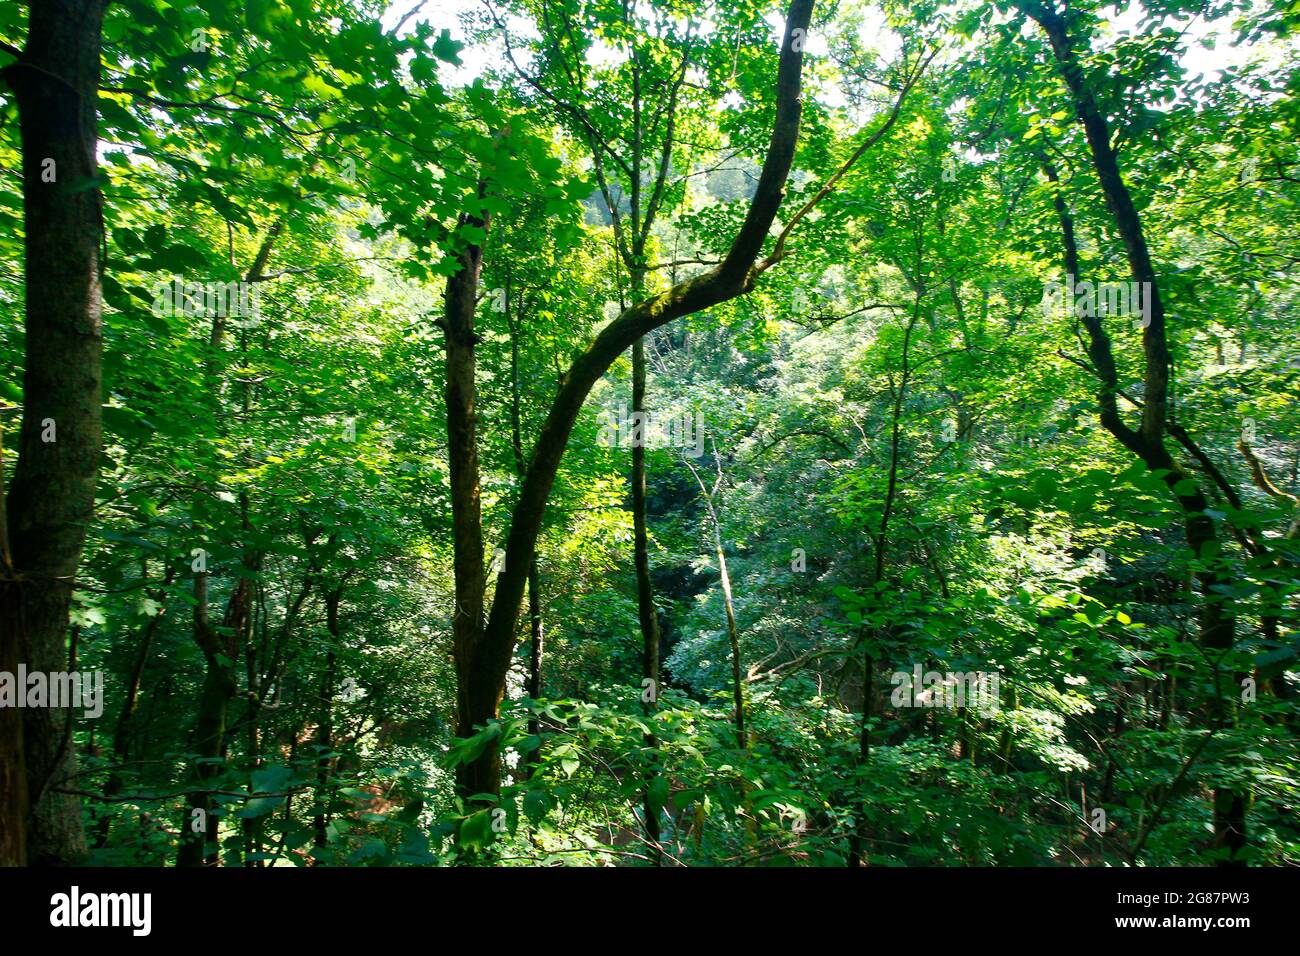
(51, 499)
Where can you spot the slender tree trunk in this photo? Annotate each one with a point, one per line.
(252, 747)
(641, 543)
(649, 616)
(198, 842)
(1217, 619)
(251, 827)
(536, 626)
(478, 692)
(858, 839)
(199, 828)
(733, 631)
(733, 638)
(325, 725)
(734, 276)
(728, 605)
(126, 719)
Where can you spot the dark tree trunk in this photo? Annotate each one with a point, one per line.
(537, 636)
(641, 547)
(536, 626)
(1217, 619)
(126, 719)
(199, 828)
(51, 500)
(325, 725)
(734, 276)
(477, 693)
(645, 597)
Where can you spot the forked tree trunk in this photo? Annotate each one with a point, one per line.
(482, 669)
(199, 828)
(1217, 619)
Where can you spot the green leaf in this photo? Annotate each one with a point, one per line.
(447, 49)
(271, 779)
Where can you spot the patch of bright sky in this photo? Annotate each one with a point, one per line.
(478, 58)
(1198, 58)
(475, 59)
(1208, 45)
(1125, 18)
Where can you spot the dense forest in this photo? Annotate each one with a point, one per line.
(661, 433)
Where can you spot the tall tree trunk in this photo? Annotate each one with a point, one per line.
(634, 258)
(253, 565)
(1217, 619)
(199, 829)
(536, 627)
(733, 637)
(858, 839)
(198, 843)
(126, 719)
(252, 748)
(734, 276)
(733, 631)
(645, 597)
(478, 694)
(325, 724)
(55, 82)
(728, 605)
